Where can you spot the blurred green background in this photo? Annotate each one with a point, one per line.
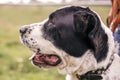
(14, 63)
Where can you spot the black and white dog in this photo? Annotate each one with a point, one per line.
(75, 40)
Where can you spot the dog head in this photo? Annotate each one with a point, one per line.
(66, 37)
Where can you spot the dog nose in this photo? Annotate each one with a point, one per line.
(23, 30)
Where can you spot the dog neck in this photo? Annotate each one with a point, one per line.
(95, 74)
(79, 65)
(83, 64)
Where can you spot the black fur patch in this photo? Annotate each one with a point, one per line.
(75, 30)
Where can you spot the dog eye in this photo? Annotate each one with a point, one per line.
(50, 25)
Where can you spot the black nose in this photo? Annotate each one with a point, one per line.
(23, 30)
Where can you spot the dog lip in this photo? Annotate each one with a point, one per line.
(32, 56)
(43, 60)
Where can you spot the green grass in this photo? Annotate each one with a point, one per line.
(14, 63)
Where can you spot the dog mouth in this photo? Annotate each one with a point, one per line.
(43, 60)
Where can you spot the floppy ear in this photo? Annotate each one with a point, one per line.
(82, 20)
(88, 24)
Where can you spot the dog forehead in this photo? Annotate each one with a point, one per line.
(67, 10)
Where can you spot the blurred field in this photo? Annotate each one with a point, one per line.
(14, 63)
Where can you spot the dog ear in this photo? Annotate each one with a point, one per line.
(82, 20)
(88, 24)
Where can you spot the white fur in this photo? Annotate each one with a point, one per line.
(71, 77)
(113, 73)
(86, 62)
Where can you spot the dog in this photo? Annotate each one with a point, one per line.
(75, 40)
